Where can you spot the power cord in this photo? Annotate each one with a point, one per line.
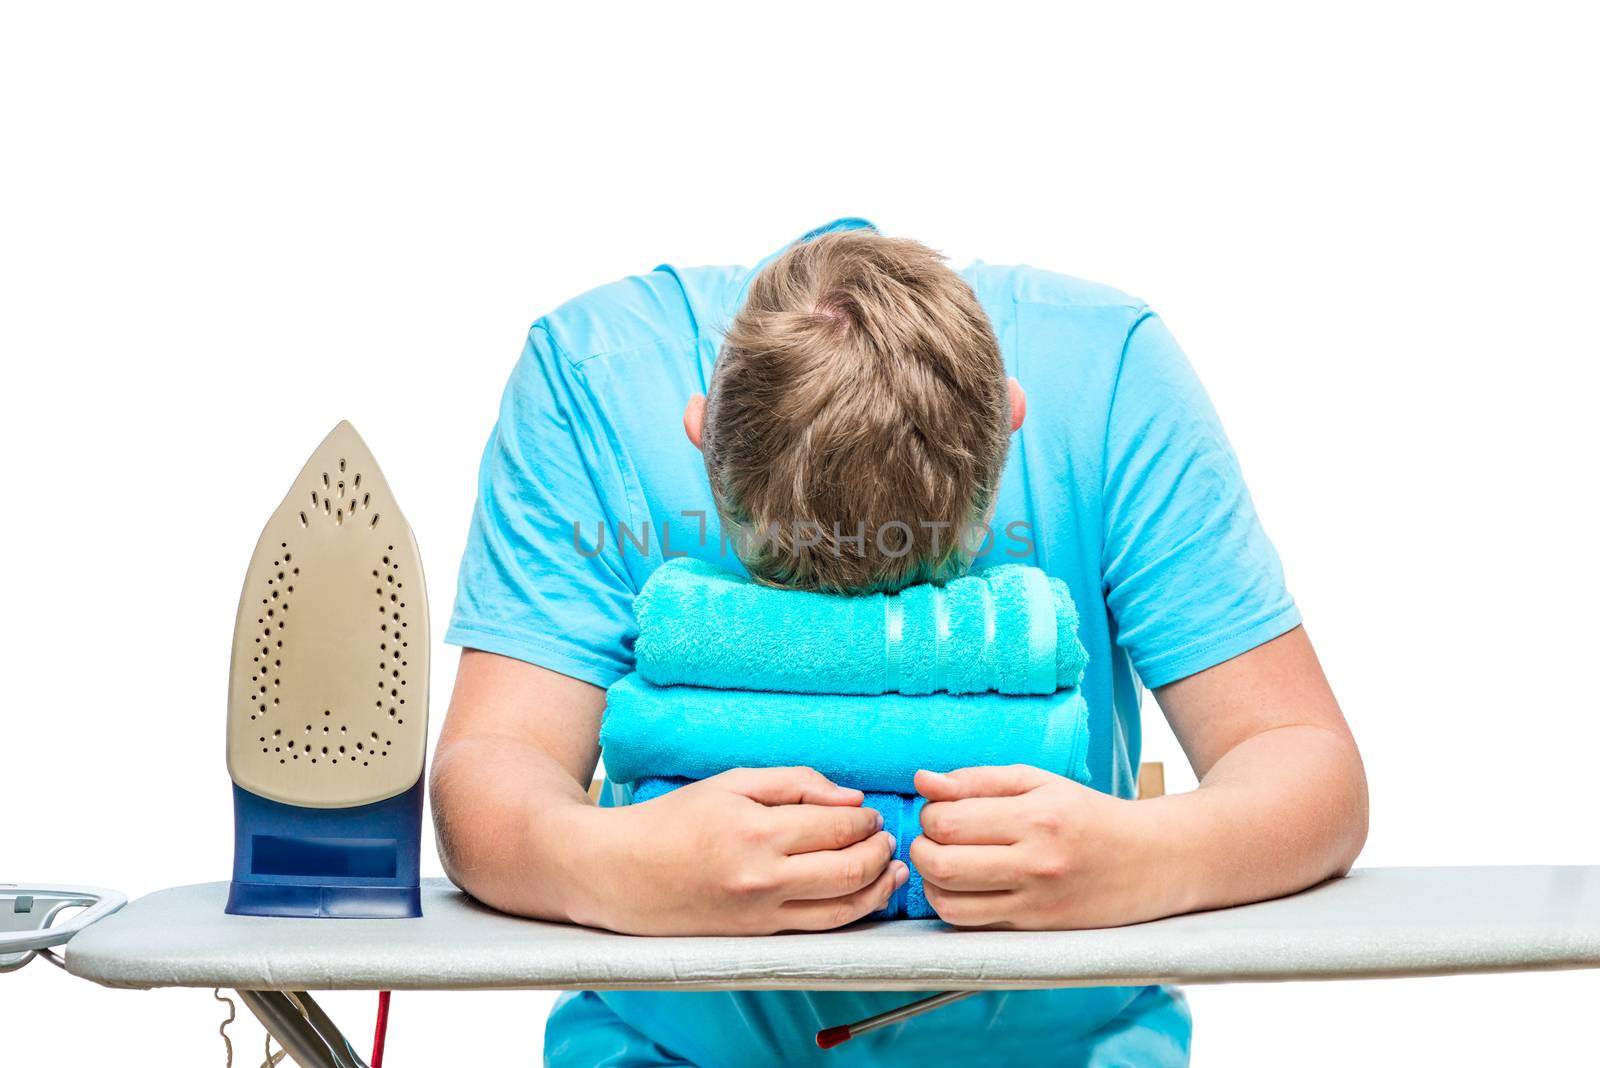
(222, 1028)
(380, 1032)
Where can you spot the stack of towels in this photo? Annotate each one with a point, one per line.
(983, 670)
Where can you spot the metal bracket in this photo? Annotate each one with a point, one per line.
(26, 912)
(301, 1027)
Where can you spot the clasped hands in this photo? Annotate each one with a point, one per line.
(760, 850)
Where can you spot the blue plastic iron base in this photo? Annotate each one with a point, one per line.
(350, 863)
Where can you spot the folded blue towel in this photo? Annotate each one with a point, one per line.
(1007, 629)
(902, 817)
(869, 743)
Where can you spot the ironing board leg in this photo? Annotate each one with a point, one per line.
(302, 1028)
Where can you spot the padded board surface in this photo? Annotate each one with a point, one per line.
(328, 689)
(1376, 922)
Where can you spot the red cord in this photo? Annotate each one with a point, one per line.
(381, 1030)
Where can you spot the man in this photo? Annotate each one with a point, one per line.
(1126, 489)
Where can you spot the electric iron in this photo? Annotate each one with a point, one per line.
(328, 700)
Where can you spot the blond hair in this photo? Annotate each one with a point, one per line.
(857, 419)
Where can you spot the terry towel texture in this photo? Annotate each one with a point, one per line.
(902, 817)
(1007, 629)
(869, 743)
(866, 689)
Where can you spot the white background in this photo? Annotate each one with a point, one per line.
(1373, 228)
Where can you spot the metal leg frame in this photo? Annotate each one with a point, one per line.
(302, 1028)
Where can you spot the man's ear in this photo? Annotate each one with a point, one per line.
(694, 418)
(1019, 407)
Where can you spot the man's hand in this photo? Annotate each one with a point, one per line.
(1017, 847)
(743, 852)
(750, 851)
(1282, 804)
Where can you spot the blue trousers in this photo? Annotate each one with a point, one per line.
(1138, 1027)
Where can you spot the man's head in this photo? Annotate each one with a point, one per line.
(858, 417)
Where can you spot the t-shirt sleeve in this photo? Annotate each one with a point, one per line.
(1191, 579)
(531, 585)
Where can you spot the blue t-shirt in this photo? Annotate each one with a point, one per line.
(1120, 482)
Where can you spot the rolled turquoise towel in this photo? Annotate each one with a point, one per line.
(874, 744)
(902, 817)
(1009, 629)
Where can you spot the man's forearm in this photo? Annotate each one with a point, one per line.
(1021, 847)
(1281, 811)
(504, 815)
(749, 851)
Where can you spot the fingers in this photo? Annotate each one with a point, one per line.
(988, 781)
(787, 786)
(806, 828)
(975, 821)
(988, 908)
(980, 867)
(836, 873)
(836, 912)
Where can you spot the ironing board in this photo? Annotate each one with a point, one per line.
(1374, 923)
